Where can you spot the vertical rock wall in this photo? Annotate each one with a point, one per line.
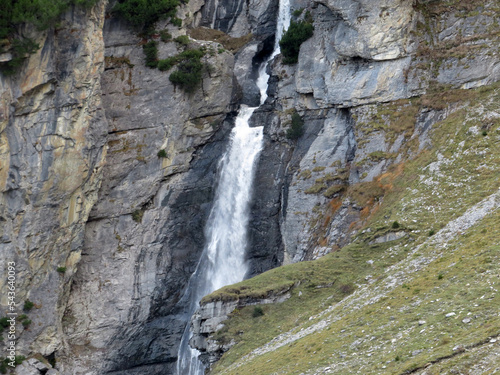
(238, 18)
(52, 137)
(365, 53)
(83, 186)
(145, 233)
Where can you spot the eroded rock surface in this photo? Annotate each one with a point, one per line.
(84, 190)
(52, 137)
(145, 233)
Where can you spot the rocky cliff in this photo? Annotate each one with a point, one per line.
(53, 137)
(105, 231)
(375, 86)
(399, 107)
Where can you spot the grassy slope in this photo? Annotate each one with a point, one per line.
(461, 277)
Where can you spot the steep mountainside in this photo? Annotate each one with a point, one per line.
(380, 220)
(398, 182)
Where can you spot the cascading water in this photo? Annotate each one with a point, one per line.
(223, 259)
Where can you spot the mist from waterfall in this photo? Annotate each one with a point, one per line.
(223, 258)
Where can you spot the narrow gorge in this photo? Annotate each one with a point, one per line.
(345, 185)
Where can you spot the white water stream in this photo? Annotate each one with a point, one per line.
(223, 258)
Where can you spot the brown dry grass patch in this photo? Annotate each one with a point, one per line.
(229, 43)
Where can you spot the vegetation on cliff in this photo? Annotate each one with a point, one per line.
(43, 14)
(296, 128)
(143, 14)
(150, 50)
(188, 75)
(40, 13)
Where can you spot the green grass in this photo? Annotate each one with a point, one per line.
(316, 188)
(470, 265)
(394, 119)
(425, 192)
(334, 189)
(330, 276)
(467, 172)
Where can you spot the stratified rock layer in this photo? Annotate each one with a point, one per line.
(85, 191)
(52, 137)
(145, 233)
(362, 54)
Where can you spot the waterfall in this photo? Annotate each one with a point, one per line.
(223, 258)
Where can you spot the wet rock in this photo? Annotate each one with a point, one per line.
(146, 230)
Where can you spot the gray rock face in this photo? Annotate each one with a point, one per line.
(365, 52)
(82, 186)
(144, 258)
(145, 233)
(240, 18)
(52, 150)
(247, 63)
(352, 57)
(374, 30)
(265, 248)
(331, 150)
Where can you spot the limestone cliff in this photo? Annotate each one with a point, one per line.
(373, 86)
(105, 230)
(364, 53)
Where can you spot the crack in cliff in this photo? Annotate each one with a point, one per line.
(133, 129)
